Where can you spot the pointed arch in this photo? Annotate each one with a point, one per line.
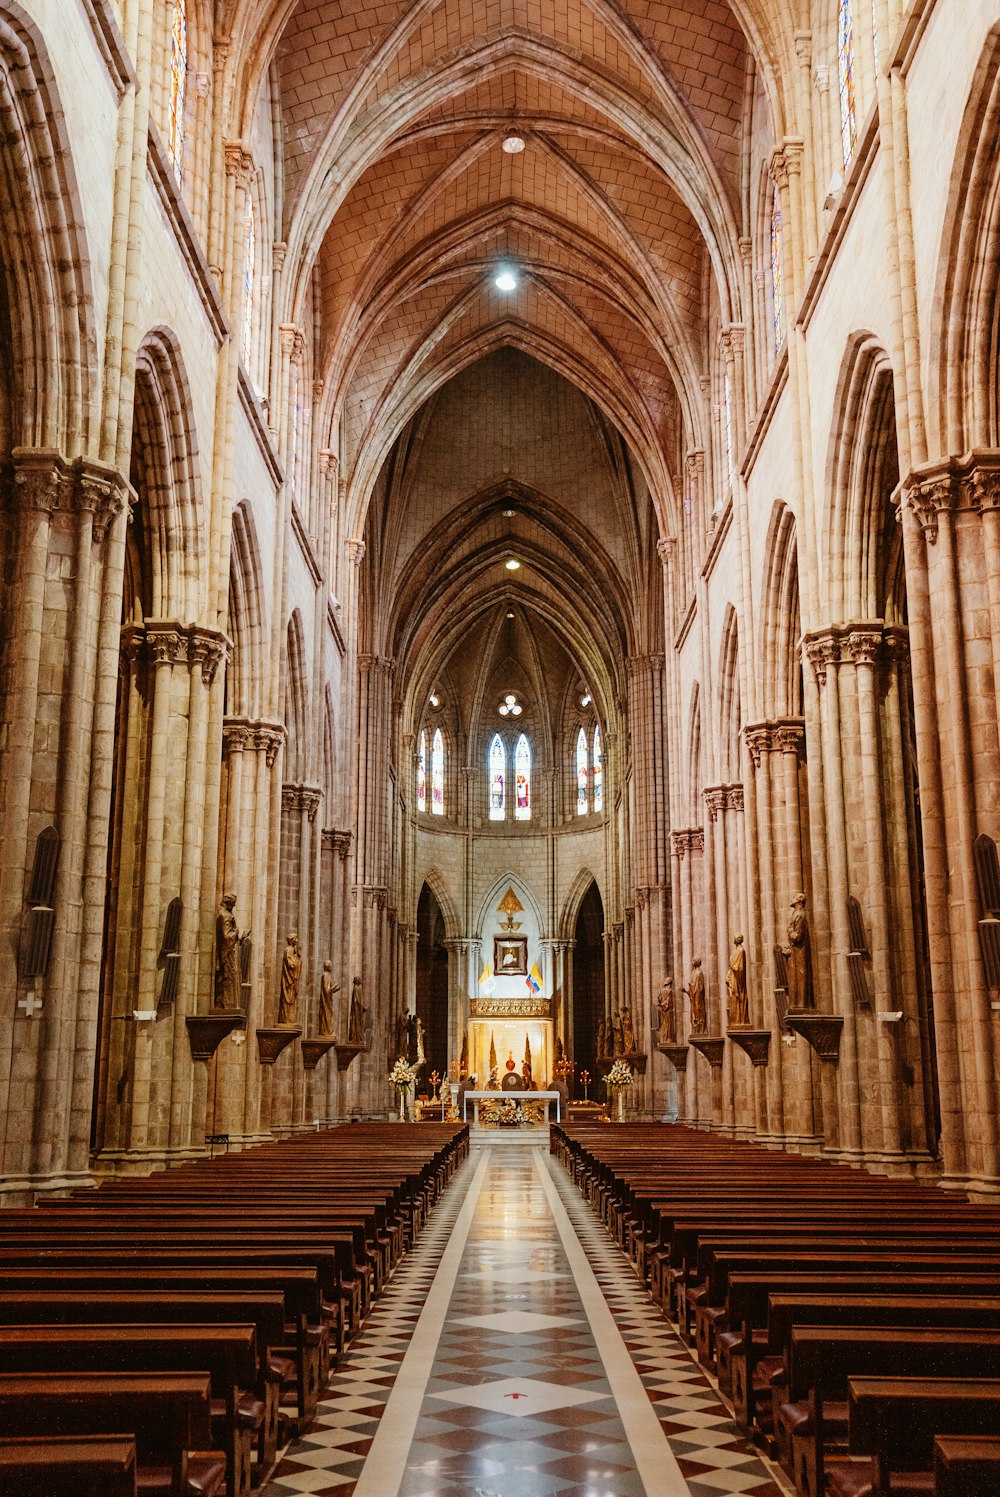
(582, 766)
(598, 770)
(730, 714)
(165, 467)
(522, 778)
(694, 759)
(486, 911)
(781, 663)
(44, 259)
(245, 673)
(496, 769)
(583, 881)
(438, 885)
(296, 699)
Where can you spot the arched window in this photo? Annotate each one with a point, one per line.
(875, 36)
(249, 267)
(437, 773)
(498, 779)
(422, 772)
(777, 284)
(598, 770)
(582, 805)
(178, 87)
(522, 780)
(845, 78)
(729, 427)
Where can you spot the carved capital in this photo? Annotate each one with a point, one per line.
(759, 739)
(355, 551)
(736, 802)
(716, 800)
(822, 649)
(865, 644)
(666, 546)
(208, 649)
(779, 169)
(790, 736)
(804, 47)
(239, 163)
(267, 738)
(236, 736)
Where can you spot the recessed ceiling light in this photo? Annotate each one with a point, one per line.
(510, 615)
(512, 564)
(513, 145)
(508, 514)
(505, 280)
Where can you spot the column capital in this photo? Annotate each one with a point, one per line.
(716, 800)
(355, 551)
(666, 548)
(45, 481)
(239, 162)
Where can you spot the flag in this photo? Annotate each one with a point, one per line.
(486, 982)
(534, 980)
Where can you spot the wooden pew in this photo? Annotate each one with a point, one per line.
(893, 1423)
(167, 1413)
(966, 1465)
(813, 1402)
(227, 1352)
(68, 1466)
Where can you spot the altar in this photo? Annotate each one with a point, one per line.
(511, 1096)
(511, 1028)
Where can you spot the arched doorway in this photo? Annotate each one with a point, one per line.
(432, 983)
(588, 985)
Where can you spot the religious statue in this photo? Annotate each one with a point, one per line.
(327, 988)
(665, 1008)
(228, 940)
(526, 1081)
(602, 1037)
(616, 1031)
(291, 971)
(628, 1032)
(736, 984)
(418, 1027)
(799, 953)
(696, 995)
(356, 1034)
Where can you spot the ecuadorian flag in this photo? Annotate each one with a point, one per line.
(534, 979)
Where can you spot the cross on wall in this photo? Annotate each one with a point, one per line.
(29, 1005)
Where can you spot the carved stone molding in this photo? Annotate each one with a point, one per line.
(299, 798)
(510, 1008)
(782, 735)
(716, 800)
(688, 839)
(45, 481)
(355, 551)
(969, 483)
(712, 1046)
(822, 1031)
(165, 642)
(753, 1042)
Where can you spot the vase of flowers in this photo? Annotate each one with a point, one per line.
(618, 1080)
(402, 1077)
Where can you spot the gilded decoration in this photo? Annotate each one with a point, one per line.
(510, 1008)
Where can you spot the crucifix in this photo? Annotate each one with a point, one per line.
(29, 1005)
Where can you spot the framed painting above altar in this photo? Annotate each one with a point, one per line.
(510, 956)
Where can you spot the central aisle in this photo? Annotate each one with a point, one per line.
(515, 1355)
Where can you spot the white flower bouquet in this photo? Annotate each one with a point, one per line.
(619, 1075)
(402, 1074)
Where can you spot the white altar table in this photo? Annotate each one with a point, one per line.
(477, 1097)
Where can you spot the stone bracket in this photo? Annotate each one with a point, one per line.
(712, 1046)
(207, 1031)
(271, 1042)
(313, 1051)
(676, 1054)
(346, 1053)
(753, 1042)
(822, 1031)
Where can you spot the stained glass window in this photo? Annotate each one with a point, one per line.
(581, 774)
(845, 76)
(178, 87)
(875, 35)
(522, 780)
(249, 267)
(422, 772)
(437, 773)
(498, 779)
(729, 429)
(777, 284)
(598, 770)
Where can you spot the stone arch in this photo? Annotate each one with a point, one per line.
(497, 891)
(166, 476)
(575, 896)
(438, 885)
(245, 676)
(964, 386)
(695, 772)
(43, 253)
(781, 665)
(730, 712)
(296, 699)
(863, 542)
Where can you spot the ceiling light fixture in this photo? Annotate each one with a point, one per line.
(505, 280)
(508, 514)
(512, 564)
(513, 145)
(585, 699)
(510, 706)
(510, 615)
(435, 700)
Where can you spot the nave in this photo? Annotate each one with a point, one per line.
(513, 1355)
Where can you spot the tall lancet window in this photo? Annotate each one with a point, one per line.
(249, 269)
(422, 772)
(582, 766)
(777, 281)
(845, 79)
(437, 773)
(598, 770)
(728, 390)
(498, 779)
(522, 780)
(875, 36)
(178, 87)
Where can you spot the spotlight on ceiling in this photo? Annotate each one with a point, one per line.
(434, 699)
(510, 615)
(505, 280)
(513, 145)
(585, 699)
(508, 514)
(512, 564)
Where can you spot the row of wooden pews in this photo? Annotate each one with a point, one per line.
(166, 1335)
(853, 1320)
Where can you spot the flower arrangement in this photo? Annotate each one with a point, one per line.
(402, 1074)
(619, 1075)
